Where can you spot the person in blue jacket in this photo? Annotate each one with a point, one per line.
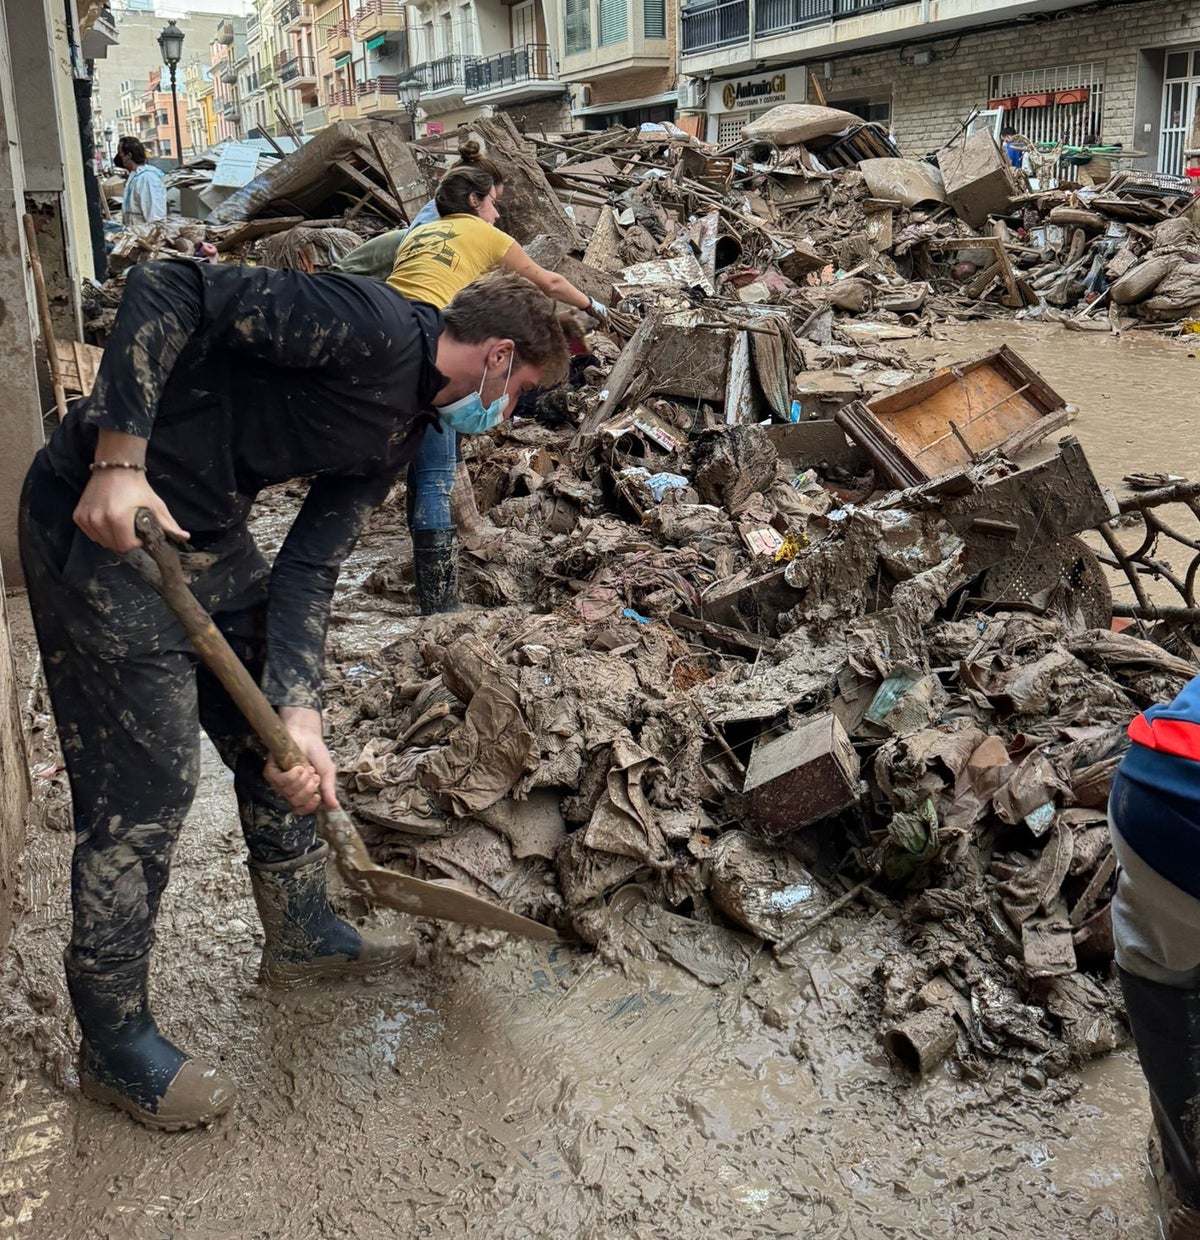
(1154, 817)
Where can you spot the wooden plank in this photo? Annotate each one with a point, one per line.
(399, 165)
(251, 230)
(78, 364)
(381, 196)
(627, 368)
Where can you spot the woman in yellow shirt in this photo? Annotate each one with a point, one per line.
(433, 262)
(436, 260)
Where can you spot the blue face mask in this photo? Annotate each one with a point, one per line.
(469, 416)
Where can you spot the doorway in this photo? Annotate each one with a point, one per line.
(1180, 128)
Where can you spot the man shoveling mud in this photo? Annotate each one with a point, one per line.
(216, 383)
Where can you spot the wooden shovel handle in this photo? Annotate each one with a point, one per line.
(212, 647)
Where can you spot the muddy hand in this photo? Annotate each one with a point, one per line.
(311, 784)
(109, 503)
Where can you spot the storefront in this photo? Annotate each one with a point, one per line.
(736, 102)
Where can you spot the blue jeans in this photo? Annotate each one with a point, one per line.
(431, 478)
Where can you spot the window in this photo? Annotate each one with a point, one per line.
(654, 19)
(1064, 103)
(866, 109)
(577, 26)
(614, 21)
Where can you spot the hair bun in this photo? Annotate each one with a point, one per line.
(470, 152)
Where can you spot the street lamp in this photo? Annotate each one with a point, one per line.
(108, 135)
(410, 96)
(170, 43)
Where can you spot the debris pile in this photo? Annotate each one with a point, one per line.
(718, 666)
(773, 623)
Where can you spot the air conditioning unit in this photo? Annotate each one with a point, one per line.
(583, 95)
(691, 95)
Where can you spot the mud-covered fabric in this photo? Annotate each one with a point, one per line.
(128, 696)
(245, 377)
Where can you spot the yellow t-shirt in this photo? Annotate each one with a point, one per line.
(435, 260)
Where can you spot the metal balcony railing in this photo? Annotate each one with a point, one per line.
(251, 27)
(266, 75)
(443, 74)
(772, 16)
(719, 23)
(532, 63)
(289, 13)
(714, 25)
(378, 15)
(386, 86)
(297, 69)
(225, 32)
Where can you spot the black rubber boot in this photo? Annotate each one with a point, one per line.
(435, 564)
(306, 940)
(1166, 1031)
(126, 1062)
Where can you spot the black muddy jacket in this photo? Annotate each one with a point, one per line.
(244, 377)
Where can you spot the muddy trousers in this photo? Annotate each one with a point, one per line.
(129, 699)
(1156, 930)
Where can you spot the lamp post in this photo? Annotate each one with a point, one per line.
(108, 135)
(170, 43)
(410, 96)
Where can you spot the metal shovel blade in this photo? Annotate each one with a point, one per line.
(416, 896)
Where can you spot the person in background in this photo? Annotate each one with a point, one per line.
(1013, 151)
(1154, 819)
(431, 264)
(146, 190)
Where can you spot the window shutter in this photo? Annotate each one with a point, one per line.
(614, 21)
(577, 32)
(654, 18)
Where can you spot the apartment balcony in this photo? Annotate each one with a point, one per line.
(339, 40)
(379, 17)
(341, 105)
(225, 33)
(716, 34)
(297, 72)
(314, 119)
(380, 94)
(266, 76)
(228, 72)
(527, 72)
(448, 73)
(252, 28)
(295, 16)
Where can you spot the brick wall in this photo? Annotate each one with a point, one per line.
(543, 115)
(929, 103)
(637, 84)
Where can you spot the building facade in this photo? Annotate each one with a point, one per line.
(227, 65)
(619, 60)
(154, 116)
(128, 62)
(1123, 73)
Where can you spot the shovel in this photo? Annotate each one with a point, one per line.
(160, 563)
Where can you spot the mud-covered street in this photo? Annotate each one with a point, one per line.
(520, 1090)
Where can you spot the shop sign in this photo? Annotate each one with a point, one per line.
(760, 91)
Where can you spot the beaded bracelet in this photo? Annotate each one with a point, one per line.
(95, 465)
